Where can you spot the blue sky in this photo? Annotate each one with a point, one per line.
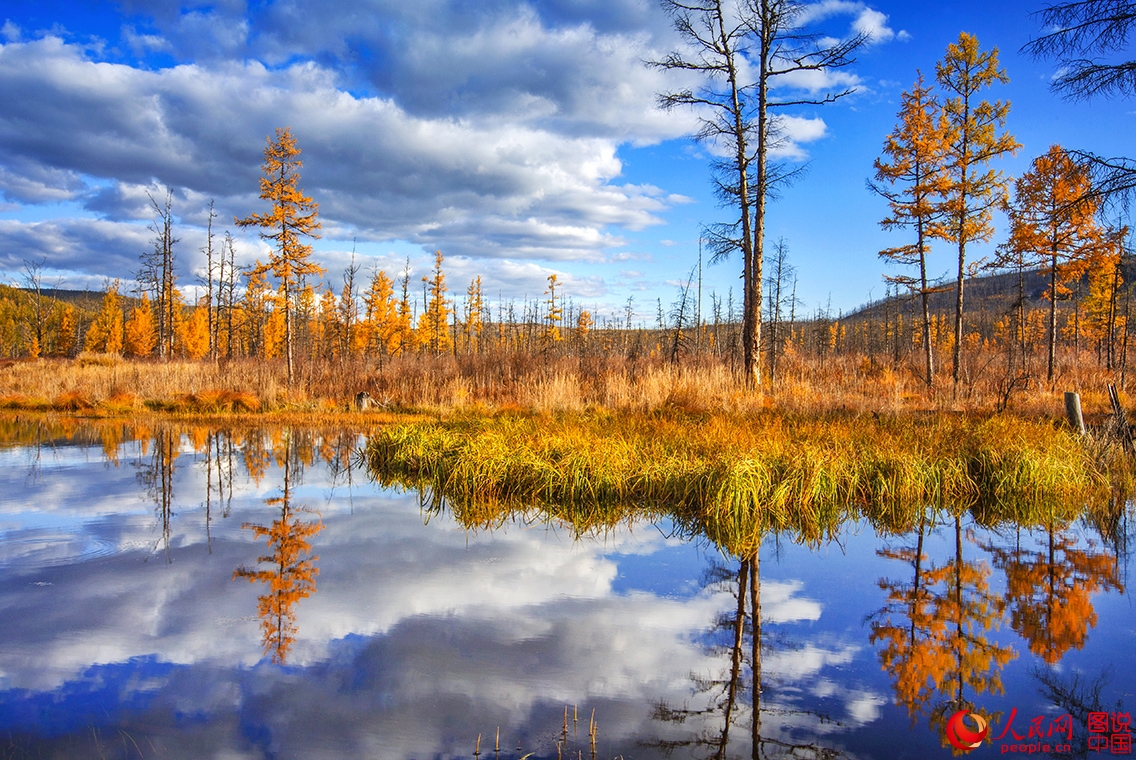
(519, 138)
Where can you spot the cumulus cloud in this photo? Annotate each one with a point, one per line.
(483, 187)
(865, 20)
(490, 130)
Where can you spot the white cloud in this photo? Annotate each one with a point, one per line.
(480, 186)
(866, 20)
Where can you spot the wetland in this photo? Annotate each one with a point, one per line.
(183, 590)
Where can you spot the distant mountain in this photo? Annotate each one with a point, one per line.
(87, 300)
(994, 295)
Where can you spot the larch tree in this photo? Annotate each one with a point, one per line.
(1053, 224)
(255, 307)
(105, 333)
(975, 189)
(403, 333)
(554, 313)
(1102, 302)
(193, 332)
(911, 176)
(68, 331)
(728, 43)
(292, 218)
(141, 335)
(433, 325)
(380, 316)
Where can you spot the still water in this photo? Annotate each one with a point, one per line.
(201, 593)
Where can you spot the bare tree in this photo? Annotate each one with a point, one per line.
(33, 283)
(725, 41)
(157, 272)
(777, 285)
(1085, 36)
(210, 302)
(1087, 40)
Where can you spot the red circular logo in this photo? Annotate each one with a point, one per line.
(961, 737)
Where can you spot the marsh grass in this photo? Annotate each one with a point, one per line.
(736, 478)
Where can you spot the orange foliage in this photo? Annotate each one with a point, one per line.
(291, 572)
(933, 632)
(1050, 593)
(293, 216)
(141, 332)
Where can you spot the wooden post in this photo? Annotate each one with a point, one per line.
(1073, 412)
(1123, 430)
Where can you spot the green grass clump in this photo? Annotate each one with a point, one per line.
(735, 478)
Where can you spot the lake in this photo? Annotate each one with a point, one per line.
(183, 591)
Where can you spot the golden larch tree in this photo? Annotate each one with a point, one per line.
(912, 177)
(193, 332)
(403, 337)
(433, 325)
(274, 327)
(68, 329)
(380, 316)
(584, 324)
(141, 329)
(975, 189)
(292, 218)
(1053, 226)
(1103, 319)
(105, 333)
(328, 329)
(554, 312)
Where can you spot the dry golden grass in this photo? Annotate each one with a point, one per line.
(539, 382)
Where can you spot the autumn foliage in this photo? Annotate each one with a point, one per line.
(290, 572)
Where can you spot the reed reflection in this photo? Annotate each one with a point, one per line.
(290, 571)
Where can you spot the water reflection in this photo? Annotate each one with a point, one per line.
(435, 625)
(291, 573)
(1050, 590)
(935, 634)
(733, 706)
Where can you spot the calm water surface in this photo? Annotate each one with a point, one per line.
(194, 593)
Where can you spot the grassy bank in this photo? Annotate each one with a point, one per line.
(738, 477)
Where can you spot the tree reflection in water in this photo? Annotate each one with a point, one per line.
(726, 704)
(291, 573)
(1050, 592)
(934, 632)
(157, 476)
